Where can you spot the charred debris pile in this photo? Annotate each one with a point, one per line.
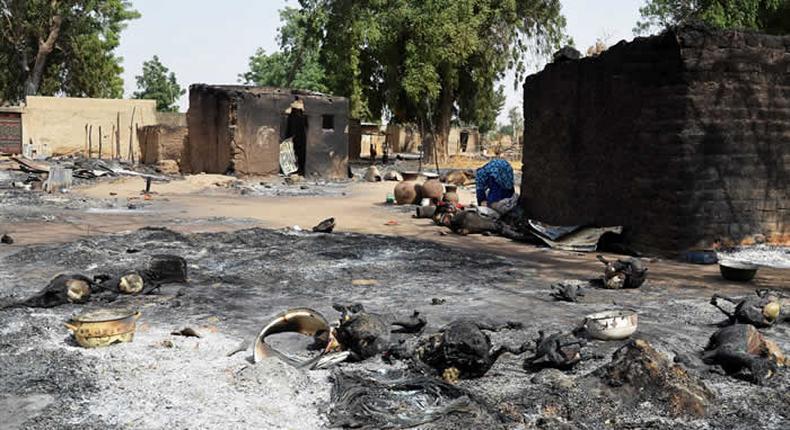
(423, 345)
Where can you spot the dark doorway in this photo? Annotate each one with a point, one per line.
(464, 140)
(297, 129)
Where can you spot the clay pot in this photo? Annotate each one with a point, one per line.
(432, 189)
(407, 193)
(451, 196)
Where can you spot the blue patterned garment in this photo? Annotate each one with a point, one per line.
(494, 181)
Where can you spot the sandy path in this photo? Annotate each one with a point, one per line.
(186, 205)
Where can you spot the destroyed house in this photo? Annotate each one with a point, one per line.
(682, 138)
(239, 130)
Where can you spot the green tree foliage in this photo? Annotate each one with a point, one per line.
(50, 47)
(296, 64)
(429, 61)
(766, 15)
(160, 84)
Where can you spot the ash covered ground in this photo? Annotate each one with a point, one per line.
(239, 279)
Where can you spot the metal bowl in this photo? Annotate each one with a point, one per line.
(737, 271)
(611, 325)
(103, 327)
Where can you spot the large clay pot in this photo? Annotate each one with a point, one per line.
(407, 193)
(432, 189)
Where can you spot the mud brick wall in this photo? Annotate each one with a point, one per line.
(682, 138)
(161, 142)
(236, 129)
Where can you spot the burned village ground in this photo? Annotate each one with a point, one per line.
(238, 279)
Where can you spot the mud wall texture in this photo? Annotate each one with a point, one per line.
(60, 125)
(235, 129)
(682, 138)
(161, 142)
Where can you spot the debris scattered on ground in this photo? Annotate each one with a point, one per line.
(558, 351)
(623, 273)
(364, 282)
(571, 238)
(62, 289)
(400, 399)
(325, 226)
(568, 291)
(6, 239)
(186, 332)
(304, 321)
(639, 373)
(437, 301)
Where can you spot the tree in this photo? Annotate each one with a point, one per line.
(160, 84)
(296, 64)
(767, 15)
(428, 61)
(61, 47)
(516, 122)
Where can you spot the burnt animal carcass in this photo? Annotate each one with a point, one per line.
(366, 334)
(761, 310)
(239, 129)
(623, 273)
(739, 348)
(462, 349)
(560, 351)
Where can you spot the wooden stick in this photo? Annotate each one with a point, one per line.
(86, 142)
(118, 136)
(99, 142)
(131, 132)
(90, 141)
(112, 142)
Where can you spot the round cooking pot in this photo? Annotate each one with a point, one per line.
(611, 325)
(103, 327)
(737, 271)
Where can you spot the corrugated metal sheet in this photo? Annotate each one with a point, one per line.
(10, 133)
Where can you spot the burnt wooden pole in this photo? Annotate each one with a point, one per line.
(99, 142)
(118, 136)
(131, 135)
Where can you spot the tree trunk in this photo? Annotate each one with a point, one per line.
(45, 47)
(443, 117)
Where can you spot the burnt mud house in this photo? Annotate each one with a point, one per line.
(682, 138)
(238, 129)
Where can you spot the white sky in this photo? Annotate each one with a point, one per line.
(206, 41)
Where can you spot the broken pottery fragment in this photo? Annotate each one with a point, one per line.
(639, 373)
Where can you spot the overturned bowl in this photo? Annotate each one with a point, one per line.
(611, 325)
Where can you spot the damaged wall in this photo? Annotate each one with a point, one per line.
(237, 129)
(161, 142)
(681, 138)
(57, 125)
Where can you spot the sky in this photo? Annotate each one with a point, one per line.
(206, 41)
